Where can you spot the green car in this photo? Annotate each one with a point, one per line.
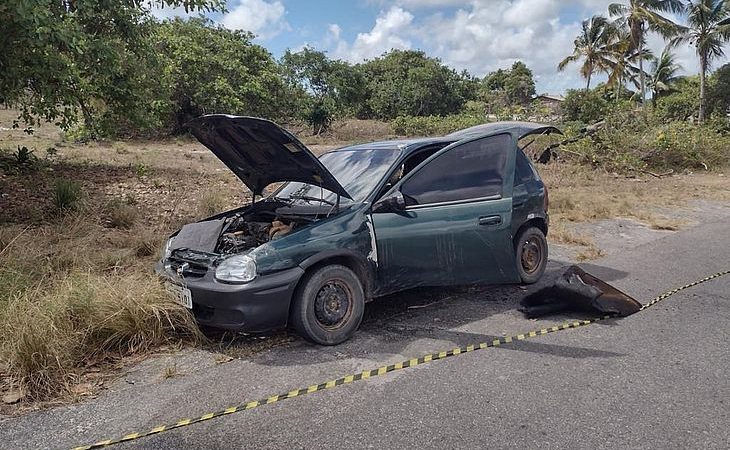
(358, 223)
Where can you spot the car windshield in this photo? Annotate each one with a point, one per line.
(358, 171)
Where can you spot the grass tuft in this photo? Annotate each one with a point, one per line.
(66, 194)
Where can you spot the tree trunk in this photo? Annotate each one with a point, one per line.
(588, 85)
(641, 75)
(703, 74)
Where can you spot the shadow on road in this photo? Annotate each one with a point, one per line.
(402, 323)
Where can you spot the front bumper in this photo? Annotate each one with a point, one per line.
(258, 306)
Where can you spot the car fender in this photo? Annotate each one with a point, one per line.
(351, 258)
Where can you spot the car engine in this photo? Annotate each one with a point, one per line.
(242, 235)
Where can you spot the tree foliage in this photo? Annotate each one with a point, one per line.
(211, 69)
(584, 106)
(325, 88)
(407, 82)
(65, 56)
(504, 88)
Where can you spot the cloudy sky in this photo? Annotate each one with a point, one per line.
(477, 35)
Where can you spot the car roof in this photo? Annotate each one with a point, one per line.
(404, 145)
(519, 129)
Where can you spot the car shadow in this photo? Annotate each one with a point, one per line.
(410, 323)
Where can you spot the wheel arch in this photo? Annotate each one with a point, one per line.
(538, 222)
(350, 259)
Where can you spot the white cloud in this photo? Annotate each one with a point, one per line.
(263, 18)
(484, 35)
(389, 32)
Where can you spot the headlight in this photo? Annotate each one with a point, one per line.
(236, 269)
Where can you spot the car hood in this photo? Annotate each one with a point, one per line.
(521, 129)
(260, 152)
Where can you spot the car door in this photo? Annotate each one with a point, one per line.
(455, 226)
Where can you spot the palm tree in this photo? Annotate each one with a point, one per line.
(708, 29)
(640, 16)
(590, 46)
(663, 73)
(625, 61)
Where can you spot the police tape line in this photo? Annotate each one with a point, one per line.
(383, 370)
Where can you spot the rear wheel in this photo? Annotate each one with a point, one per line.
(531, 254)
(328, 305)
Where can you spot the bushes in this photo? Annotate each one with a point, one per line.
(433, 125)
(584, 106)
(633, 139)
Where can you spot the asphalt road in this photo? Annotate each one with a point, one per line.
(659, 379)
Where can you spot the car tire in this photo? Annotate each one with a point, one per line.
(328, 305)
(531, 249)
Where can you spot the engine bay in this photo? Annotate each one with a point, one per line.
(246, 231)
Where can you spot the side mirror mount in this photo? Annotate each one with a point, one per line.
(392, 203)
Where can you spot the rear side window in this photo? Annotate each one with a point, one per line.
(470, 171)
(523, 169)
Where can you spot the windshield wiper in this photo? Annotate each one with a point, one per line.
(311, 199)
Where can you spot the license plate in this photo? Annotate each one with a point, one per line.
(180, 294)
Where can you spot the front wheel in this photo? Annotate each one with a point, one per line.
(328, 305)
(531, 254)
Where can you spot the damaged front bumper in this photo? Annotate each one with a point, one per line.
(258, 306)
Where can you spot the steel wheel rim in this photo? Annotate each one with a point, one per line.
(333, 304)
(531, 255)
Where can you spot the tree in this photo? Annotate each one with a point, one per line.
(590, 45)
(718, 95)
(211, 69)
(520, 84)
(503, 88)
(663, 74)
(64, 56)
(407, 82)
(708, 29)
(626, 62)
(330, 88)
(639, 16)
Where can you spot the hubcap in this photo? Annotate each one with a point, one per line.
(531, 255)
(333, 304)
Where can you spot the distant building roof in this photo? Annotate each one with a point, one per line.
(553, 97)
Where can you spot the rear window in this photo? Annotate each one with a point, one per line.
(523, 169)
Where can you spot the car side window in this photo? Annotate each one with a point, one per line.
(470, 171)
(523, 170)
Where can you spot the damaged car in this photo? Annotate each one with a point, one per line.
(355, 224)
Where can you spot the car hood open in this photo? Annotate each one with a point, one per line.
(260, 152)
(521, 129)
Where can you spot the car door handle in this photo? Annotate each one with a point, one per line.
(490, 220)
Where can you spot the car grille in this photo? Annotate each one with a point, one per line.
(189, 263)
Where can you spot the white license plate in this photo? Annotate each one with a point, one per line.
(180, 294)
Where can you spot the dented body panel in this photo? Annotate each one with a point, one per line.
(463, 241)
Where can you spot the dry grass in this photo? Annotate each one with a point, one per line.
(74, 293)
(212, 202)
(579, 195)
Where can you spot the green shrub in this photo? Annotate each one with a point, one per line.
(66, 194)
(584, 106)
(685, 146)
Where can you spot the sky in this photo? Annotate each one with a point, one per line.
(477, 35)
